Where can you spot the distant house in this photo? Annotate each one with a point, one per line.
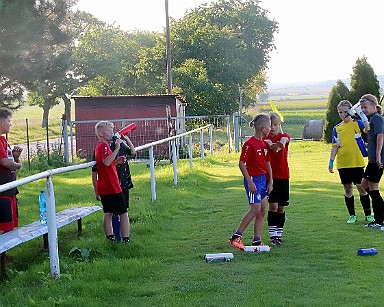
(156, 117)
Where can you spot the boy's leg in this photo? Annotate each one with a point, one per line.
(272, 221)
(280, 224)
(108, 226)
(350, 202)
(365, 203)
(259, 221)
(125, 225)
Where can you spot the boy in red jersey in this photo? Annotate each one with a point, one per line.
(255, 166)
(279, 197)
(107, 185)
(9, 163)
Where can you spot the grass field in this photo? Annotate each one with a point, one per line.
(163, 265)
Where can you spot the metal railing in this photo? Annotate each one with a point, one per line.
(49, 189)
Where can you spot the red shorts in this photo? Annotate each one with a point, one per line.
(8, 213)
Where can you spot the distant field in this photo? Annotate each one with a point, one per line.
(295, 113)
(34, 115)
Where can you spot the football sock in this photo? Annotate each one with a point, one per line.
(272, 224)
(280, 224)
(350, 203)
(377, 205)
(366, 204)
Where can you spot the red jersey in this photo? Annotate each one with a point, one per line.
(279, 160)
(6, 175)
(255, 156)
(107, 180)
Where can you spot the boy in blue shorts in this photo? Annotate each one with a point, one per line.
(256, 168)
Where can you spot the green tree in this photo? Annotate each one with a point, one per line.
(363, 80)
(338, 92)
(233, 39)
(111, 61)
(31, 31)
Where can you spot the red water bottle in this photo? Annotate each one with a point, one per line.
(126, 130)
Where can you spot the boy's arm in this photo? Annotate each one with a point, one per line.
(251, 185)
(111, 158)
(379, 147)
(94, 181)
(270, 176)
(130, 145)
(10, 164)
(334, 150)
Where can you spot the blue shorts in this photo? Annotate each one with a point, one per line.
(261, 189)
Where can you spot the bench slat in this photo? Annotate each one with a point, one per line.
(28, 232)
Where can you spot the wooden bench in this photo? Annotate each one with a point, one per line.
(28, 232)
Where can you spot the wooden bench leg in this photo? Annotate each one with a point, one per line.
(79, 227)
(45, 239)
(3, 273)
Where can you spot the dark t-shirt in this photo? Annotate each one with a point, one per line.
(376, 126)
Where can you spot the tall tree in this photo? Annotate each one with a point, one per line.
(363, 80)
(111, 61)
(34, 48)
(233, 39)
(338, 93)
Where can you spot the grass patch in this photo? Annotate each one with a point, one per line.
(163, 265)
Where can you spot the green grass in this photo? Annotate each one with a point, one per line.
(163, 265)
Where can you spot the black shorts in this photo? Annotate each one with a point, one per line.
(351, 175)
(114, 203)
(280, 192)
(373, 173)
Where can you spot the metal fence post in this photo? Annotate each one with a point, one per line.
(52, 230)
(174, 162)
(71, 136)
(65, 139)
(202, 144)
(152, 169)
(210, 139)
(236, 131)
(190, 152)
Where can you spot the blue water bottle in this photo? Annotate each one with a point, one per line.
(367, 251)
(360, 143)
(43, 208)
(116, 227)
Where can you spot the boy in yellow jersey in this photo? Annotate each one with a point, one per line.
(350, 161)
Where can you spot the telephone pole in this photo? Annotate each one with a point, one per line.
(168, 50)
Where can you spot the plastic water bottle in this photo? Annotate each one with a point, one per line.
(221, 257)
(367, 251)
(43, 208)
(257, 249)
(116, 227)
(360, 143)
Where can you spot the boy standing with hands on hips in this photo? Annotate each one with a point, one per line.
(107, 185)
(255, 166)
